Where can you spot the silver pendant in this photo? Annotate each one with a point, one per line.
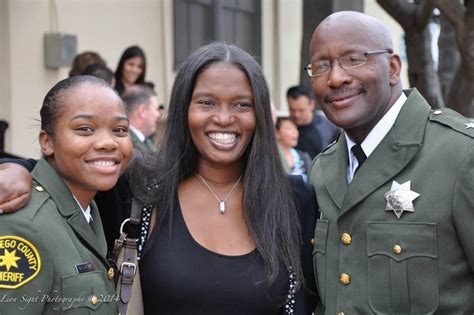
(400, 198)
(222, 207)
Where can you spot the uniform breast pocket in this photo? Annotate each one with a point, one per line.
(82, 293)
(319, 254)
(402, 267)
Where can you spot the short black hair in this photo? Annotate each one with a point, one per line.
(282, 119)
(53, 102)
(297, 91)
(100, 71)
(136, 95)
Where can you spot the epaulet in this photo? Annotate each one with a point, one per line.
(38, 197)
(453, 120)
(332, 143)
(326, 149)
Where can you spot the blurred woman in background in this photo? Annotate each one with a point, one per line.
(295, 162)
(131, 69)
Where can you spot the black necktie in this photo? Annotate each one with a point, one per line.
(359, 154)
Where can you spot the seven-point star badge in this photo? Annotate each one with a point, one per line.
(400, 198)
(469, 125)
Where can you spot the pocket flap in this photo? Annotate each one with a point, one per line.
(320, 236)
(85, 290)
(402, 240)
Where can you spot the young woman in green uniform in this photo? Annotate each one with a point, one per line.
(52, 254)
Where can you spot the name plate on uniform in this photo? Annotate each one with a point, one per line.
(84, 267)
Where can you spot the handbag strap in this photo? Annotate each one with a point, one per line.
(128, 268)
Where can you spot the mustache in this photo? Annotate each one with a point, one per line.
(343, 92)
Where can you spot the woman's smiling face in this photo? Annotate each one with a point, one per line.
(221, 114)
(91, 145)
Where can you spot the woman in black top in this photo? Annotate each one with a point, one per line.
(226, 235)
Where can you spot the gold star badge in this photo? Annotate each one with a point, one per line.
(9, 259)
(469, 125)
(400, 198)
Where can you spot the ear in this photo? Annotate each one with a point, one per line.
(395, 67)
(46, 143)
(142, 110)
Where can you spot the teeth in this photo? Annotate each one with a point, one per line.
(226, 138)
(103, 163)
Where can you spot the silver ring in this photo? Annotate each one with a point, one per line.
(123, 224)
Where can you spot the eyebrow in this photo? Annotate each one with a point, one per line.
(85, 116)
(207, 94)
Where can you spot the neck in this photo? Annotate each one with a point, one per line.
(83, 197)
(220, 176)
(127, 84)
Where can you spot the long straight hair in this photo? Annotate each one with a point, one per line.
(269, 209)
(130, 52)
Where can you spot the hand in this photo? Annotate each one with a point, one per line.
(15, 187)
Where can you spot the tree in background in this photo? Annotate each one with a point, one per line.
(451, 84)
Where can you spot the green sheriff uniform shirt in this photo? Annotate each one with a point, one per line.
(51, 260)
(369, 261)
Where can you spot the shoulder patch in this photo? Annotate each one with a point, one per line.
(454, 120)
(19, 262)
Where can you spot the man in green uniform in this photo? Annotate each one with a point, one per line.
(396, 191)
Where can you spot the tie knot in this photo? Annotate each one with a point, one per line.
(359, 154)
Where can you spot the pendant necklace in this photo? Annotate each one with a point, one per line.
(220, 201)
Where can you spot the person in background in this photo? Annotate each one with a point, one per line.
(53, 252)
(316, 132)
(295, 162)
(395, 191)
(160, 126)
(82, 60)
(142, 104)
(100, 71)
(131, 69)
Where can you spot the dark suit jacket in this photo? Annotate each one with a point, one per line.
(422, 263)
(145, 146)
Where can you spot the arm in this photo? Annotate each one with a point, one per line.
(463, 206)
(15, 183)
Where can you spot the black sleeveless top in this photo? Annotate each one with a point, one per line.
(179, 276)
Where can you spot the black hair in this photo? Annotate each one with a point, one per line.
(137, 95)
(82, 60)
(269, 209)
(297, 91)
(282, 119)
(100, 71)
(53, 102)
(130, 52)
